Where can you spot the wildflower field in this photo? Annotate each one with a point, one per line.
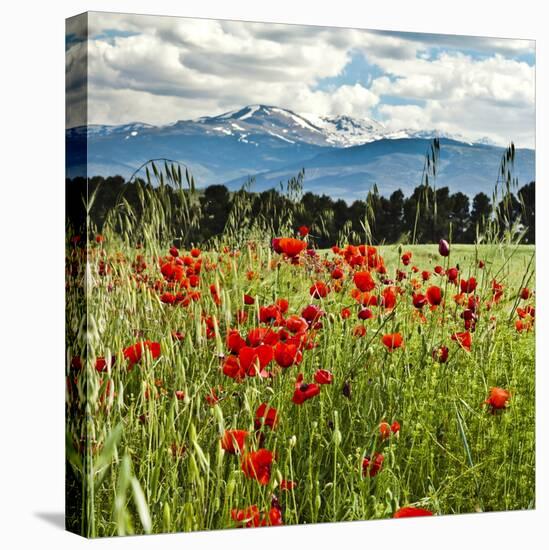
(269, 382)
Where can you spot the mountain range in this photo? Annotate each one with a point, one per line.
(342, 156)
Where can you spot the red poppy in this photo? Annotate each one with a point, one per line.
(265, 416)
(233, 441)
(345, 313)
(389, 298)
(235, 342)
(304, 391)
(174, 251)
(101, 364)
(359, 331)
(303, 230)
(337, 273)
(386, 429)
(468, 286)
(425, 275)
(195, 252)
(392, 341)
(452, 274)
(440, 354)
(498, 398)
(323, 376)
(372, 466)
(419, 300)
(291, 247)
(312, 313)
(464, 339)
(525, 293)
(282, 304)
(412, 512)
(364, 281)
(406, 257)
(365, 314)
(251, 517)
(270, 314)
(287, 355)
(248, 300)
(319, 290)
(434, 295)
(257, 465)
(258, 336)
(134, 353)
(254, 360)
(439, 270)
(287, 485)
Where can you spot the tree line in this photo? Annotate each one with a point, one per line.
(424, 216)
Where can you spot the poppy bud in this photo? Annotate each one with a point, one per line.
(443, 248)
(347, 389)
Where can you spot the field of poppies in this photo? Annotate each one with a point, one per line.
(275, 384)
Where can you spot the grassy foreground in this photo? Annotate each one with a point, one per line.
(153, 458)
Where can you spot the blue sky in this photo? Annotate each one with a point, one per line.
(161, 69)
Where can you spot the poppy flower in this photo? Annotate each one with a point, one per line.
(233, 441)
(234, 341)
(195, 252)
(386, 429)
(254, 360)
(287, 355)
(464, 339)
(303, 230)
(525, 293)
(443, 248)
(406, 257)
(434, 295)
(247, 517)
(257, 465)
(134, 353)
(345, 313)
(498, 398)
(389, 298)
(251, 517)
(291, 247)
(319, 290)
(439, 270)
(287, 485)
(440, 354)
(213, 396)
(371, 466)
(364, 281)
(523, 326)
(392, 341)
(269, 314)
(296, 324)
(174, 251)
(412, 512)
(265, 416)
(304, 391)
(248, 300)
(419, 300)
(365, 314)
(179, 395)
(275, 243)
(233, 368)
(258, 336)
(337, 273)
(323, 376)
(312, 313)
(282, 304)
(452, 274)
(101, 364)
(178, 335)
(469, 285)
(359, 331)
(425, 275)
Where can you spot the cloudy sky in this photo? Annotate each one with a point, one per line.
(162, 69)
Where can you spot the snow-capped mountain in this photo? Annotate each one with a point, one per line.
(269, 143)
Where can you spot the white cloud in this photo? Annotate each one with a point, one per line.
(161, 69)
